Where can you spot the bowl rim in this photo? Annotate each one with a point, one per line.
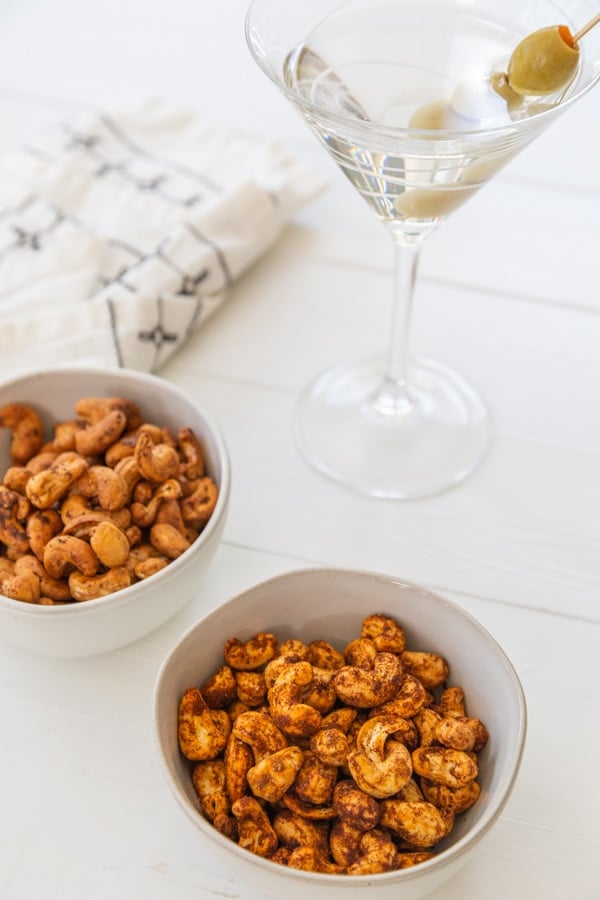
(445, 857)
(125, 595)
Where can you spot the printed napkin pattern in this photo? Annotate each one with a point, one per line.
(120, 234)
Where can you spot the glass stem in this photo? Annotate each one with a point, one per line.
(394, 396)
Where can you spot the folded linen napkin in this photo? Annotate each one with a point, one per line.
(120, 233)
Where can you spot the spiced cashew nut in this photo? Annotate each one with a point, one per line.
(26, 427)
(47, 487)
(64, 553)
(156, 462)
(202, 732)
(380, 765)
(295, 718)
(366, 688)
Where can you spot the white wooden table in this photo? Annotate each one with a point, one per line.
(509, 295)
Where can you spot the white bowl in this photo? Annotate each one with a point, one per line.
(104, 623)
(330, 604)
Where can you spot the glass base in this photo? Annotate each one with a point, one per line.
(385, 441)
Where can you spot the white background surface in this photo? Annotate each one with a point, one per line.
(509, 295)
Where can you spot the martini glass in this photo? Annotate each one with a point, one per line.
(400, 93)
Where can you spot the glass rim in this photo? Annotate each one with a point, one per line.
(528, 123)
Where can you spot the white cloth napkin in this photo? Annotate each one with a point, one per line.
(121, 233)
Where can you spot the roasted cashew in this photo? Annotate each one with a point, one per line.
(27, 432)
(24, 586)
(330, 743)
(276, 666)
(380, 765)
(274, 775)
(238, 760)
(127, 468)
(323, 655)
(145, 514)
(12, 532)
(309, 859)
(307, 810)
(192, 455)
(42, 525)
(259, 731)
(198, 507)
(251, 687)
(95, 409)
(209, 780)
(361, 653)
(220, 689)
(427, 721)
(331, 746)
(376, 853)
(110, 544)
(64, 553)
(452, 768)
(202, 732)
(150, 567)
(344, 842)
(169, 513)
(48, 486)
(461, 733)
(256, 833)
(156, 462)
(369, 687)
(139, 554)
(320, 693)
(105, 485)
(294, 831)
(15, 479)
(387, 635)
(315, 780)
(51, 588)
(88, 587)
(82, 526)
(355, 806)
(408, 700)
(457, 799)
(405, 729)
(168, 540)
(95, 439)
(418, 822)
(121, 450)
(64, 435)
(430, 668)
(452, 702)
(42, 460)
(295, 718)
(251, 654)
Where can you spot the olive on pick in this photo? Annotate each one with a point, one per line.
(543, 62)
(546, 60)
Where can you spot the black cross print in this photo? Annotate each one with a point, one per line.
(157, 336)
(29, 239)
(189, 283)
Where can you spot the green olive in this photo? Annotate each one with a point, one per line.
(543, 62)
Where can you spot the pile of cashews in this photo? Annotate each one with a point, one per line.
(348, 763)
(108, 501)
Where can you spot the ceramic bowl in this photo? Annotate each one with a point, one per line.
(104, 623)
(330, 604)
